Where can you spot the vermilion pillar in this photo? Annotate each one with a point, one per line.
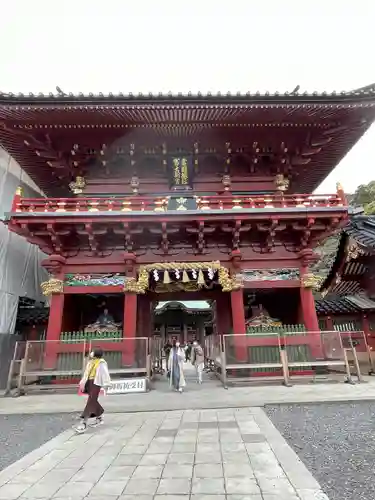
(129, 328)
(148, 324)
(223, 314)
(308, 310)
(329, 324)
(55, 320)
(239, 324)
(310, 320)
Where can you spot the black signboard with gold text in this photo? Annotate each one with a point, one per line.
(180, 172)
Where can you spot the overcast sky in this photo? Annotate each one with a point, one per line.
(194, 45)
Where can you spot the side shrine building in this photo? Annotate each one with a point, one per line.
(158, 198)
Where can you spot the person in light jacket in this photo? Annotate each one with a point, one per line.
(197, 360)
(95, 378)
(176, 367)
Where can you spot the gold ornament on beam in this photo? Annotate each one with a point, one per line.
(354, 251)
(53, 285)
(141, 285)
(181, 201)
(281, 182)
(177, 287)
(311, 280)
(78, 185)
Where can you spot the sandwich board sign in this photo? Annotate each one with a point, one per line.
(128, 385)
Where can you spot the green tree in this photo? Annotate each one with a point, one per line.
(370, 208)
(364, 196)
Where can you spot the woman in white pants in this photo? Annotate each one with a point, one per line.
(176, 367)
(197, 360)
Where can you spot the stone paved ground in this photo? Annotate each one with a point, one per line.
(229, 454)
(336, 442)
(20, 434)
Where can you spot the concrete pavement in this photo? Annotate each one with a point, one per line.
(210, 395)
(224, 454)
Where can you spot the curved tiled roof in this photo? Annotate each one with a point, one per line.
(337, 118)
(338, 305)
(362, 229)
(295, 95)
(188, 306)
(32, 315)
(346, 272)
(344, 305)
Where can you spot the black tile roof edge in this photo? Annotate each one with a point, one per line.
(362, 227)
(190, 97)
(336, 305)
(357, 224)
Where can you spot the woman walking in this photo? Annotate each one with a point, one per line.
(197, 360)
(176, 367)
(95, 378)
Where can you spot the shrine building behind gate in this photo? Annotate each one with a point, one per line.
(181, 198)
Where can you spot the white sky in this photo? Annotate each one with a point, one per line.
(194, 45)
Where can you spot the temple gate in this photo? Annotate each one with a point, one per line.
(169, 198)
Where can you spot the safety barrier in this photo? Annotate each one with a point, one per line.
(14, 381)
(315, 355)
(254, 355)
(214, 356)
(232, 357)
(61, 363)
(287, 356)
(359, 353)
(212, 349)
(156, 353)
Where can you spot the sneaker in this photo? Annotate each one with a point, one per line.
(96, 422)
(180, 389)
(81, 428)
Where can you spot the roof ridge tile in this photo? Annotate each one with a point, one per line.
(365, 91)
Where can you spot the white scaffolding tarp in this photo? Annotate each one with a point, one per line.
(20, 269)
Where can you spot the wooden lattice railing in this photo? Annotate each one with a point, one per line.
(283, 329)
(79, 335)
